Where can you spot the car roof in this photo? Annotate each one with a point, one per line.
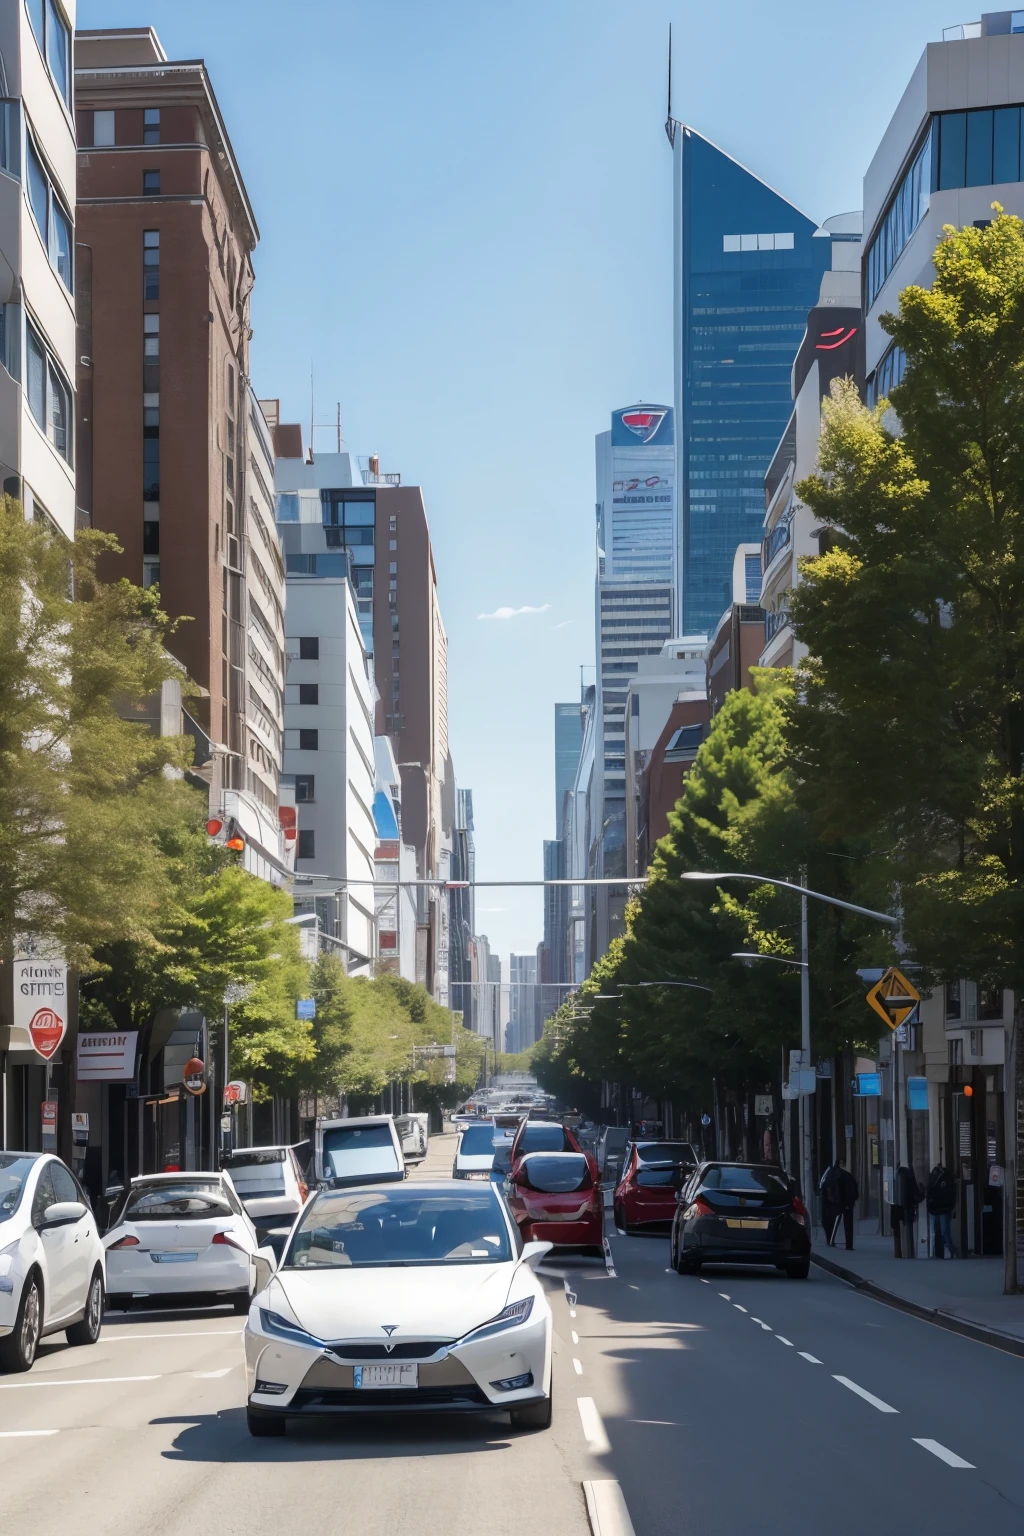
(196, 1174)
(279, 1146)
(356, 1120)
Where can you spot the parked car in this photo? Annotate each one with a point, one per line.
(181, 1235)
(52, 1271)
(556, 1198)
(412, 1133)
(365, 1149)
(611, 1144)
(470, 1329)
(544, 1136)
(474, 1152)
(741, 1213)
(652, 1175)
(269, 1182)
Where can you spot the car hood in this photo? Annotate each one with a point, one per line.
(434, 1302)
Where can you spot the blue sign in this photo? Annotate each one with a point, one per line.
(305, 1008)
(869, 1085)
(917, 1093)
(639, 424)
(705, 1119)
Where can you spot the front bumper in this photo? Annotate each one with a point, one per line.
(452, 1377)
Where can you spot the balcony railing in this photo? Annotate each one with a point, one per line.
(778, 538)
(774, 621)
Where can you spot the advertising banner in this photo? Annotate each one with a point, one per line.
(107, 1056)
(40, 1002)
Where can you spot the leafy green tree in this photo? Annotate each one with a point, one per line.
(84, 791)
(911, 725)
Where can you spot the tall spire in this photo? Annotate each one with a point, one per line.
(670, 127)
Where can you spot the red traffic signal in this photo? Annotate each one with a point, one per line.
(213, 826)
(225, 831)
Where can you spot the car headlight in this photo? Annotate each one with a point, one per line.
(280, 1328)
(515, 1313)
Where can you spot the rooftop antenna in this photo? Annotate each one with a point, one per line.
(339, 426)
(670, 127)
(312, 418)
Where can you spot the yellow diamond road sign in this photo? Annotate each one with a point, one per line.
(894, 998)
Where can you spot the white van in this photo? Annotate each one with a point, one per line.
(366, 1149)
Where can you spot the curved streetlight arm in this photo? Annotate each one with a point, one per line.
(613, 997)
(801, 890)
(739, 954)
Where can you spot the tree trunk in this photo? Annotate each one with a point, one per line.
(1013, 1183)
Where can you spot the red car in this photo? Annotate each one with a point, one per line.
(651, 1177)
(556, 1198)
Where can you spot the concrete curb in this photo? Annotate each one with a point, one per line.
(1007, 1342)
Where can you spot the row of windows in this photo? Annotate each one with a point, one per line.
(53, 35)
(887, 375)
(52, 220)
(104, 128)
(776, 242)
(46, 389)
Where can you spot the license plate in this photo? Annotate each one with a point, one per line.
(386, 1376)
(760, 1226)
(173, 1258)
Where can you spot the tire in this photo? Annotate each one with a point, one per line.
(18, 1349)
(263, 1422)
(533, 1415)
(88, 1330)
(685, 1264)
(240, 1305)
(800, 1270)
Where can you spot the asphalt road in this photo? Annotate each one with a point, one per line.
(747, 1404)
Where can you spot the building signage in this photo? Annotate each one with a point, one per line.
(894, 998)
(194, 1075)
(305, 1008)
(643, 422)
(235, 1093)
(107, 1056)
(40, 985)
(49, 1120)
(79, 1129)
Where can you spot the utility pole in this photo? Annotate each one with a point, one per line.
(805, 1048)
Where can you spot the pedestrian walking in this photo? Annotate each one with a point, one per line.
(842, 1193)
(830, 1212)
(940, 1200)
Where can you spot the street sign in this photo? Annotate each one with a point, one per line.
(305, 1008)
(235, 1093)
(194, 1075)
(893, 998)
(49, 1119)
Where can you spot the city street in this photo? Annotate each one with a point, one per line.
(725, 1404)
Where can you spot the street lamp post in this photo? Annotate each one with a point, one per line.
(805, 981)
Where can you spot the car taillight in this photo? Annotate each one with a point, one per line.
(125, 1242)
(703, 1207)
(227, 1241)
(799, 1210)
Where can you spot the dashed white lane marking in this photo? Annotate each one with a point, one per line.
(593, 1426)
(212, 1375)
(784, 1341)
(739, 1308)
(703, 1281)
(668, 1423)
(577, 1367)
(25, 1434)
(213, 1333)
(943, 1454)
(80, 1381)
(575, 1336)
(811, 1359)
(606, 1508)
(869, 1397)
(609, 1262)
(756, 1320)
(571, 1312)
(724, 1296)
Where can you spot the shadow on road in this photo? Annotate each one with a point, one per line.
(223, 1437)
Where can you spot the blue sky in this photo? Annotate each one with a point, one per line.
(465, 209)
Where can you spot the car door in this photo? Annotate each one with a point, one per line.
(80, 1255)
(57, 1244)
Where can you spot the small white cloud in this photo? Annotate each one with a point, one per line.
(513, 613)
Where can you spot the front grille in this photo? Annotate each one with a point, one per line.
(390, 1397)
(417, 1349)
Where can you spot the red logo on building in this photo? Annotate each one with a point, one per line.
(644, 424)
(46, 1030)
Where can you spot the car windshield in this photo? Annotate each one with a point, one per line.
(557, 1174)
(400, 1226)
(544, 1138)
(665, 1152)
(742, 1181)
(14, 1170)
(352, 1150)
(184, 1201)
(257, 1172)
(477, 1141)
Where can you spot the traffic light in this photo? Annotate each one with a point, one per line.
(225, 831)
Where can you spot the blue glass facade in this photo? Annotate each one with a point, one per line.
(748, 269)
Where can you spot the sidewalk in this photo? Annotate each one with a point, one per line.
(965, 1295)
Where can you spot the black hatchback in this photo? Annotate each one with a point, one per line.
(741, 1213)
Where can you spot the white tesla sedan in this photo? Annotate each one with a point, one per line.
(401, 1296)
(181, 1234)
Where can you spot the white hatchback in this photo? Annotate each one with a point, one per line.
(51, 1258)
(181, 1234)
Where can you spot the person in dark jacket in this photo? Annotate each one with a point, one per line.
(841, 1192)
(830, 1212)
(940, 1197)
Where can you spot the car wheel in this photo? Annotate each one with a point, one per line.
(532, 1415)
(18, 1349)
(240, 1305)
(88, 1330)
(686, 1263)
(799, 1270)
(264, 1422)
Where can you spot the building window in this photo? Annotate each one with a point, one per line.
(887, 375)
(53, 35)
(307, 844)
(350, 520)
(150, 264)
(309, 693)
(287, 507)
(305, 788)
(103, 130)
(773, 242)
(150, 573)
(309, 647)
(392, 544)
(150, 454)
(150, 183)
(393, 524)
(10, 137)
(904, 214)
(49, 394)
(151, 125)
(990, 1002)
(10, 339)
(309, 741)
(953, 1000)
(52, 221)
(150, 537)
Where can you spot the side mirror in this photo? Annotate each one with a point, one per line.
(64, 1214)
(266, 1260)
(533, 1253)
(112, 1191)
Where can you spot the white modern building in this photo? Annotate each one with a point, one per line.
(521, 1030)
(395, 900)
(38, 163)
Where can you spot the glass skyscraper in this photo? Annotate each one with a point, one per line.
(747, 269)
